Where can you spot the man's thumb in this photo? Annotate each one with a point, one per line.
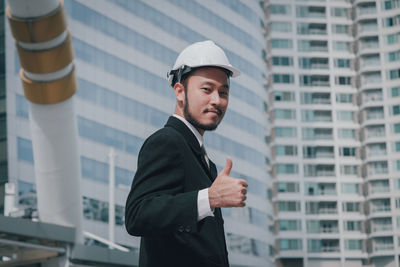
(228, 166)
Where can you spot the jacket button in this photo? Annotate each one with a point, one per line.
(188, 229)
(181, 229)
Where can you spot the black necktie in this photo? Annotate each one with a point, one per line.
(204, 154)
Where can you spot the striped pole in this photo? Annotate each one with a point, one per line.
(48, 76)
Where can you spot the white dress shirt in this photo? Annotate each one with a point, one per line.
(203, 203)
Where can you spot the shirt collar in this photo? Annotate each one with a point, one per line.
(196, 133)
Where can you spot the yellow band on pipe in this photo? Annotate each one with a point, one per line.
(44, 61)
(39, 29)
(49, 92)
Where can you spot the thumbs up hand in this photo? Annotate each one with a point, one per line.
(227, 191)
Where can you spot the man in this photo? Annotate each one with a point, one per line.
(176, 195)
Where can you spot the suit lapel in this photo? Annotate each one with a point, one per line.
(191, 140)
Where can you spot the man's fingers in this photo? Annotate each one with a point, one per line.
(243, 182)
(228, 166)
(244, 191)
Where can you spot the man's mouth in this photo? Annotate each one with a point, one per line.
(216, 111)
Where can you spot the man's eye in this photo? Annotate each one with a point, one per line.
(206, 89)
(224, 93)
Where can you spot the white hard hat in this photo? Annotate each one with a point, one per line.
(200, 54)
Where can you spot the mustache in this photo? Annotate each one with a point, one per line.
(216, 109)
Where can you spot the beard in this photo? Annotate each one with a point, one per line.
(188, 116)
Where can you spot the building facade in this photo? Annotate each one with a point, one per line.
(334, 106)
(123, 50)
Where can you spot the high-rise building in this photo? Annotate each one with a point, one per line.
(334, 84)
(123, 50)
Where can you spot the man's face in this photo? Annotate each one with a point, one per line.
(206, 98)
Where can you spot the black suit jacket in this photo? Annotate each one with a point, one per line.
(162, 204)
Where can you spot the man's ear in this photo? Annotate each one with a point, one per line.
(179, 90)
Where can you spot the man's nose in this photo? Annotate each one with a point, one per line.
(215, 98)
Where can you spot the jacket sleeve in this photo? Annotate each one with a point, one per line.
(157, 203)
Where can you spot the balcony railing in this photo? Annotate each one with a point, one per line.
(369, 45)
(375, 115)
(381, 208)
(380, 228)
(367, 11)
(383, 247)
(379, 190)
(325, 249)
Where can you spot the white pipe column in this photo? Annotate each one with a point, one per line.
(46, 57)
(111, 201)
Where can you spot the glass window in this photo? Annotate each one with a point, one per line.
(396, 128)
(290, 244)
(396, 165)
(393, 56)
(314, 170)
(391, 4)
(349, 169)
(289, 225)
(351, 206)
(396, 146)
(395, 91)
(285, 114)
(392, 38)
(342, 63)
(281, 26)
(287, 187)
(290, 206)
(24, 149)
(282, 43)
(286, 150)
(344, 98)
(234, 148)
(279, 9)
(346, 133)
(317, 134)
(27, 197)
(368, 26)
(313, 63)
(22, 106)
(340, 29)
(311, 28)
(343, 80)
(284, 96)
(352, 226)
(315, 98)
(312, 45)
(347, 151)
(350, 188)
(108, 136)
(316, 115)
(339, 12)
(283, 78)
(393, 74)
(282, 61)
(341, 46)
(314, 80)
(207, 16)
(310, 11)
(345, 115)
(372, 95)
(395, 110)
(285, 131)
(243, 10)
(287, 168)
(353, 244)
(97, 210)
